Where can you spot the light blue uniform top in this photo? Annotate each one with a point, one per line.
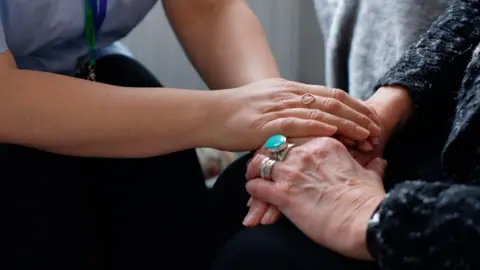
(48, 35)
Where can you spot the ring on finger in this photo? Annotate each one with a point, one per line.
(282, 155)
(308, 98)
(266, 168)
(278, 146)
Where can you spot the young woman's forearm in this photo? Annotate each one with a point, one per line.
(76, 117)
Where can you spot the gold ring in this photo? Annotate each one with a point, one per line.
(308, 98)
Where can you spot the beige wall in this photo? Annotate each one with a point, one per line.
(290, 26)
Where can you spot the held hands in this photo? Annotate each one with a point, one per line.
(243, 118)
(393, 107)
(324, 192)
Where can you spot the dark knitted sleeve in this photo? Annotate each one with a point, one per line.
(436, 63)
(427, 226)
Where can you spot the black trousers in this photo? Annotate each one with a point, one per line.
(64, 212)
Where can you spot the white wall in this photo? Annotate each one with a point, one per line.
(290, 27)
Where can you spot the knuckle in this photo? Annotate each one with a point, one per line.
(350, 126)
(280, 102)
(330, 144)
(314, 114)
(337, 94)
(282, 84)
(304, 155)
(363, 119)
(331, 104)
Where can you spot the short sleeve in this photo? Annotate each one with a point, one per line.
(3, 42)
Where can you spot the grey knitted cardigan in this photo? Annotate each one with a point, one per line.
(364, 38)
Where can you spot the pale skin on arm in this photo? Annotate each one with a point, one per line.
(81, 118)
(76, 117)
(223, 39)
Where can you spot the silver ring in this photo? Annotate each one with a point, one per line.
(266, 168)
(282, 155)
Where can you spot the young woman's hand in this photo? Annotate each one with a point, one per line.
(244, 118)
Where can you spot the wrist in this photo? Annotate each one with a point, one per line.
(393, 107)
(360, 227)
(210, 120)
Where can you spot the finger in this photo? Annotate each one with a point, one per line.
(362, 159)
(249, 203)
(365, 146)
(267, 191)
(347, 142)
(301, 140)
(341, 110)
(278, 171)
(340, 95)
(253, 168)
(297, 127)
(374, 141)
(378, 165)
(257, 210)
(347, 128)
(271, 216)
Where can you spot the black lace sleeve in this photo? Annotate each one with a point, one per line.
(426, 226)
(435, 63)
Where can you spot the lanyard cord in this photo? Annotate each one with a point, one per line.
(95, 13)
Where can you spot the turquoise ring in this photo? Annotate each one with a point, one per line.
(278, 146)
(276, 143)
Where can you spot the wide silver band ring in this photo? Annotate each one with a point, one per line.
(282, 155)
(266, 168)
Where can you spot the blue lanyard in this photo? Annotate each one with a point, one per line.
(99, 10)
(95, 13)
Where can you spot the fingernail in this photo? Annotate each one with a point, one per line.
(333, 129)
(249, 203)
(267, 218)
(375, 140)
(247, 221)
(365, 146)
(362, 132)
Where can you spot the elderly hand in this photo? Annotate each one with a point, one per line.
(393, 107)
(324, 192)
(243, 118)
